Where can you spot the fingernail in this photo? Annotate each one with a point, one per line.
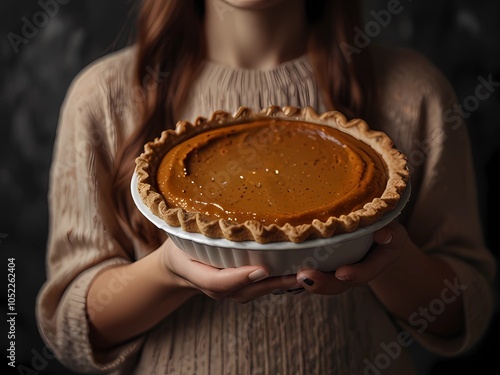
(343, 277)
(387, 239)
(258, 275)
(308, 281)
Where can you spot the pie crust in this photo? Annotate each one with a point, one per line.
(266, 226)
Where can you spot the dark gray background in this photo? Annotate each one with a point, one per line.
(461, 37)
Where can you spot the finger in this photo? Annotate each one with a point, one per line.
(216, 280)
(368, 269)
(226, 279)
(390, 242)
(392, 236)
(271, 285)
(319, 282)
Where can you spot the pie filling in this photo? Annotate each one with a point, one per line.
(274, 171)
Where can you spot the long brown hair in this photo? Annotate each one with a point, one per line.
(171, 46)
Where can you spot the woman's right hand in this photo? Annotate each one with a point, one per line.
(242, 284)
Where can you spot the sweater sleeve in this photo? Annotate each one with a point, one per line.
(83, 233)
(443, 215)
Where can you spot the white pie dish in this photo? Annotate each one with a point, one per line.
(280, 258)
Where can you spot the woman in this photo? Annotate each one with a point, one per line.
(121, 298)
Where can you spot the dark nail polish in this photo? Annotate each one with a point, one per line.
(308, 281)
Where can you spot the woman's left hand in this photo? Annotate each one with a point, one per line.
(389, 243)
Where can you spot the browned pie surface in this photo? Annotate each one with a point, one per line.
(274, 171)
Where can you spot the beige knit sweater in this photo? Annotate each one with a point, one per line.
(289, 334)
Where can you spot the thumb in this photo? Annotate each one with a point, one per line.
(206, 277)
(227, 279)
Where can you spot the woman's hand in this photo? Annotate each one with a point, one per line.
(402, 276)
(390, 242)
(242, 284)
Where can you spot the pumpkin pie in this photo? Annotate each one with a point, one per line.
(281, 174)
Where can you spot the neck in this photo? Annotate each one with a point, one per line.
(255, 38)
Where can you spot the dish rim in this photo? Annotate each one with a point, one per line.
(200, 238)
